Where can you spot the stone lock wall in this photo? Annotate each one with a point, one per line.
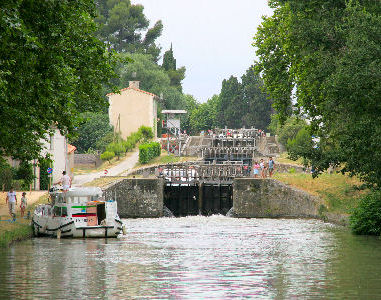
(269, 198)
(137, 198)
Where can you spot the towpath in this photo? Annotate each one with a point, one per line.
(32, 197)
(121, 169)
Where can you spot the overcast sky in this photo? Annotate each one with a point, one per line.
(211, 38)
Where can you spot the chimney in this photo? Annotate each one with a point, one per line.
(134, 84)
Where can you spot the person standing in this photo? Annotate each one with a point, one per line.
(256, 169)
(12, 202)
(23, 204)
(271, 166)
(262, 166)
(65, 181)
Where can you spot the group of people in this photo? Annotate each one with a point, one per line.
(262, 168)
(11, 200)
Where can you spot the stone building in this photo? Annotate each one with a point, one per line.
(131, 109)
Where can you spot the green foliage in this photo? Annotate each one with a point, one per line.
(93, 128)
(325, 55)
(152, 77)
(146, 132)
(205, 116)
(288, 130)
(17, 232)
(44, 164)
(149, 151)
(107, 155)
(230, 105)
(301, 144)
(169, 64)
(121, 27)
(366, 218)
(52, 67)
(117, 148)
(102, 142)
(6, 175)
(169, 61)
(238, 105)
(25, 173)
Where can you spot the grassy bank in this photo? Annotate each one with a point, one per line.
(340, 193)
(164, 159)
(20, 229)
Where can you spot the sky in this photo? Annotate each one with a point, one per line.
(211, 38)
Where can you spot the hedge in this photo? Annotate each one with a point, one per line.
(148, 151)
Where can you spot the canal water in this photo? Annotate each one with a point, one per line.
(198, 258)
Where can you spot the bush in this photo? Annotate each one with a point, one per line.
(149, 151)
(146, 132)
(107, 155)
(366, 218)
(117, 148)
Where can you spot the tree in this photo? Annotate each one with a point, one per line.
(51, 68)
(257, 104)
(91, 130)
(152, 79)
(326, 55)
(205, 116)
(122, 25)
(169, 64)
(230, 105)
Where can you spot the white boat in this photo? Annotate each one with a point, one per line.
(78, 213)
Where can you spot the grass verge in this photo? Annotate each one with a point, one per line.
(20, 229)
(340, 193)
(164, 158)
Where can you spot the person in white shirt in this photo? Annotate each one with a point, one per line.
(65, 181)
(12, 201)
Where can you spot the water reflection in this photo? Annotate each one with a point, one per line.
(197, 258)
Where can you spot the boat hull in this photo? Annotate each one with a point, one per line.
(69, 230)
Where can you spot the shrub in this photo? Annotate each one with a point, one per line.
(146, 132)
(149, 151)
(117, 148)
(366, 218)
(128, 145)
(107, 155)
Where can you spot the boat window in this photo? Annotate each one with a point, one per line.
(84, 199)
(57, 211)
(64, 212)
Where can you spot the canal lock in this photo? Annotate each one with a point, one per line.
(198, 199)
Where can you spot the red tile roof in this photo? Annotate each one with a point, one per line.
(133, 88)
(71, 148)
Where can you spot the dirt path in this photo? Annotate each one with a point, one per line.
(32, 197)
(117, 170)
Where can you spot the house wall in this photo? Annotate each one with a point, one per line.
(135, 108)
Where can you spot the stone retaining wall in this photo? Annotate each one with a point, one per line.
(137, 198)
(269, 198)
(92, 160)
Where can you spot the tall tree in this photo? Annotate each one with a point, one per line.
(230, 106)
(122, 25)
(257, 104)
(169, 64)
(51, 68)
(326, 54)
